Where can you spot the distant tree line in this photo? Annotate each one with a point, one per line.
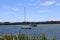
(18, 23)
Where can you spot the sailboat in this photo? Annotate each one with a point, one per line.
(25, 26)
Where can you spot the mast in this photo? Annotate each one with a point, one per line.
(24, 15)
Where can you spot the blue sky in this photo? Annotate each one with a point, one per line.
(36, 10)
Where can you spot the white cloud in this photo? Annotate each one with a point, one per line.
(47, 3)
(39, 3)
(57, 4)
(6, 7)
(14, 9)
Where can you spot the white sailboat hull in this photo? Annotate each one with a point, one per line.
(26, 27)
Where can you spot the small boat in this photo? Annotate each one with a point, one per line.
(34, 25)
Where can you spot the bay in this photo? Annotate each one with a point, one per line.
(51, 30)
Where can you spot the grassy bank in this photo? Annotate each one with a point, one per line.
(24, 37)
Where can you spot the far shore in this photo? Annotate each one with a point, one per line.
(18, 23)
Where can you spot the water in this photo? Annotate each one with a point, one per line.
(51, 30)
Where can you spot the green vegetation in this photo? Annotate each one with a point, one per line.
(24, 37)
(18, 23)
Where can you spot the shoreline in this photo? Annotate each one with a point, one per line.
(22, 23)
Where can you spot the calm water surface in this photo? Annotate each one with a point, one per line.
(49, 29)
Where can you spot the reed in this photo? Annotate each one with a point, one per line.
(24, 37)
